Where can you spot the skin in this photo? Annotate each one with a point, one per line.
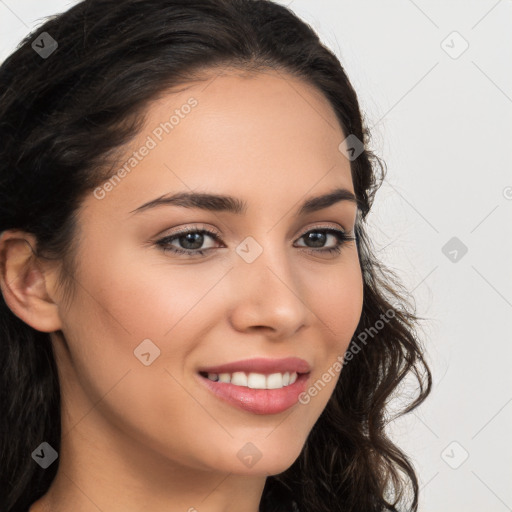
(139, 437)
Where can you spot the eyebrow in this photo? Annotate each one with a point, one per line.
(230, 204)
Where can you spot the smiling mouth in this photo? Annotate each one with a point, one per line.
(257, 393)
(254, 380)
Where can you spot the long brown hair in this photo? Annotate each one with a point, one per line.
(61, 118)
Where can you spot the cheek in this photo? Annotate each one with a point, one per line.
(126, 300)
(144, 297)
(337, 301)
(338, 306)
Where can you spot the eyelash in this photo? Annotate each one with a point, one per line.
(163, 243)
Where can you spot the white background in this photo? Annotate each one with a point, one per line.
(443, 127)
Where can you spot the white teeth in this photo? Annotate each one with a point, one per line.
(275, 381)
(256, 380)
(239, 379)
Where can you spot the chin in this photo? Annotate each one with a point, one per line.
(266, 462)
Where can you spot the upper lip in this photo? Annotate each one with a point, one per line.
(261, 365)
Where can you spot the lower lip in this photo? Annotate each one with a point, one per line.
(258, 401)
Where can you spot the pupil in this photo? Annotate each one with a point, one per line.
(189, 239)
(317, 239)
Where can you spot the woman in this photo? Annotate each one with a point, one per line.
(192, 315)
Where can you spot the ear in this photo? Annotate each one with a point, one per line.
(25, 284)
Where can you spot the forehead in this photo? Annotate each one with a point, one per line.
(231, 133)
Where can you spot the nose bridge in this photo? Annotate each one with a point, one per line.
(268, 293)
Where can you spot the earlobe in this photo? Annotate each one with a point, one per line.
(23, 283)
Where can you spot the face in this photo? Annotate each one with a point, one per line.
(155, 305)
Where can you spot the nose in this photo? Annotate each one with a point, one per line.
(267, 297)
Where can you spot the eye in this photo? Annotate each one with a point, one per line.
(318, 236)
(192, 240)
